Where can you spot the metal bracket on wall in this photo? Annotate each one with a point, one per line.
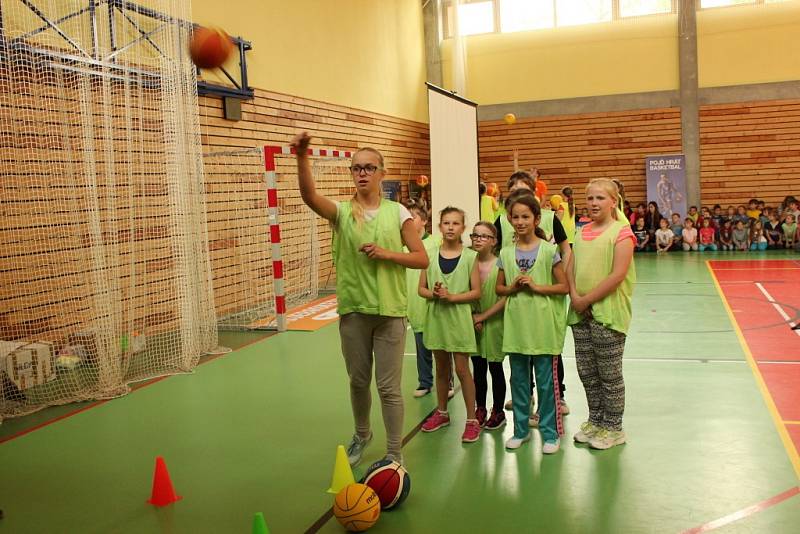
(85, 59)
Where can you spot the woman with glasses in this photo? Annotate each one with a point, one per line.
(369, 234)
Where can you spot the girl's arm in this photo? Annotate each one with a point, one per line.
(321, 205)
(415, 258)
(561, 287)
(502, 289)
(422, 288)
(474, 292)
(623, 254)
(493, 310)
(566, 251)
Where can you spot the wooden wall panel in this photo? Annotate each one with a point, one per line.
(273, 119)
(750, 150)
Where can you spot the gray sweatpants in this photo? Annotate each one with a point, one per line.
(362, 336)
(598, 355)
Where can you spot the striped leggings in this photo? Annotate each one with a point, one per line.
(598, 354)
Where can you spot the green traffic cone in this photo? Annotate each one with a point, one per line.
(259, 525)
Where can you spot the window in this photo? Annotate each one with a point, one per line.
(638, 8)
(473, 18)
(723, 3)
(572, 12)
(518, 15)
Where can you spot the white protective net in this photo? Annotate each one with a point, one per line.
(105, 276)
(240, 235)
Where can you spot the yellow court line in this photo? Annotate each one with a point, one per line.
(773, 410)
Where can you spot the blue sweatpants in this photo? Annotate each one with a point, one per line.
(547, 389)
(424, 363)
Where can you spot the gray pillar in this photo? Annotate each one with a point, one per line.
(433, 53)
(690, 117)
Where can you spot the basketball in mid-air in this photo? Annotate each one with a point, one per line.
(210, 47)
(510, 118)
(423, 180)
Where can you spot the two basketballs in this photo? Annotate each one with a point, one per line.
(358, 506)
(210, 47)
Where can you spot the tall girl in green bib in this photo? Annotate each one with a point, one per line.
(488, 319)
(532, 277)
(451, 284)
(369, 233)
(601, 278)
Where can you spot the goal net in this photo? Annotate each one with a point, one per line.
(243, 253)
(105, 275)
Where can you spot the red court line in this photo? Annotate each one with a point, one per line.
(746, 512)
(95, 404)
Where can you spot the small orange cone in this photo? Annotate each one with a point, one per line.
(163, 492)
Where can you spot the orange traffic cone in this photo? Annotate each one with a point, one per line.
(163, 492)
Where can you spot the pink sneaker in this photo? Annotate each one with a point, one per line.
(471, 431)
(436, 421)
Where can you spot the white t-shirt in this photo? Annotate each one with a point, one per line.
(664, 237)
(371, 214)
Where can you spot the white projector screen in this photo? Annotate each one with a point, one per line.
(454, 156)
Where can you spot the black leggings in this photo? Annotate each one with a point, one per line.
(479, 366)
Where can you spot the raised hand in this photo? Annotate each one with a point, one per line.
(300, 143)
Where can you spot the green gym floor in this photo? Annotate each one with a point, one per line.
(256, 431)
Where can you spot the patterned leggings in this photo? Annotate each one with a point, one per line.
(598, 354)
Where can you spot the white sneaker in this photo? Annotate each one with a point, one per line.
(551, 447)
(515, 443)
(450, 393)
(605, 439)
(533, 420)
(395, 458)
(586, 433)
(421, 392)
(564, 407)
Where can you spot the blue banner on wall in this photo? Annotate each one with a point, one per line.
(666, 183)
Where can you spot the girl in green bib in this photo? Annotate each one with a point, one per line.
(601, 277)
(533, 280)
(488, 319)
(554, 231)
(368, 237)
(418, 306)
(451, 284)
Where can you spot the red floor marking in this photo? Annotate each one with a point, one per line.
(767, 333)
(746, 512)
(722, 265)
(783, 382)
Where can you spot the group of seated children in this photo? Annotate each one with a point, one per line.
(755, 227)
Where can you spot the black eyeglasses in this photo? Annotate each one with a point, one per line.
(368, 169)
(481, 236)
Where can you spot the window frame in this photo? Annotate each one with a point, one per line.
(615, 13)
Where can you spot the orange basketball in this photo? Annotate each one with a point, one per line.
(210, 47)
(357, 507)
(491, 189)
(422, 180)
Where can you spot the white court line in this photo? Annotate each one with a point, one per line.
(777, 307)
